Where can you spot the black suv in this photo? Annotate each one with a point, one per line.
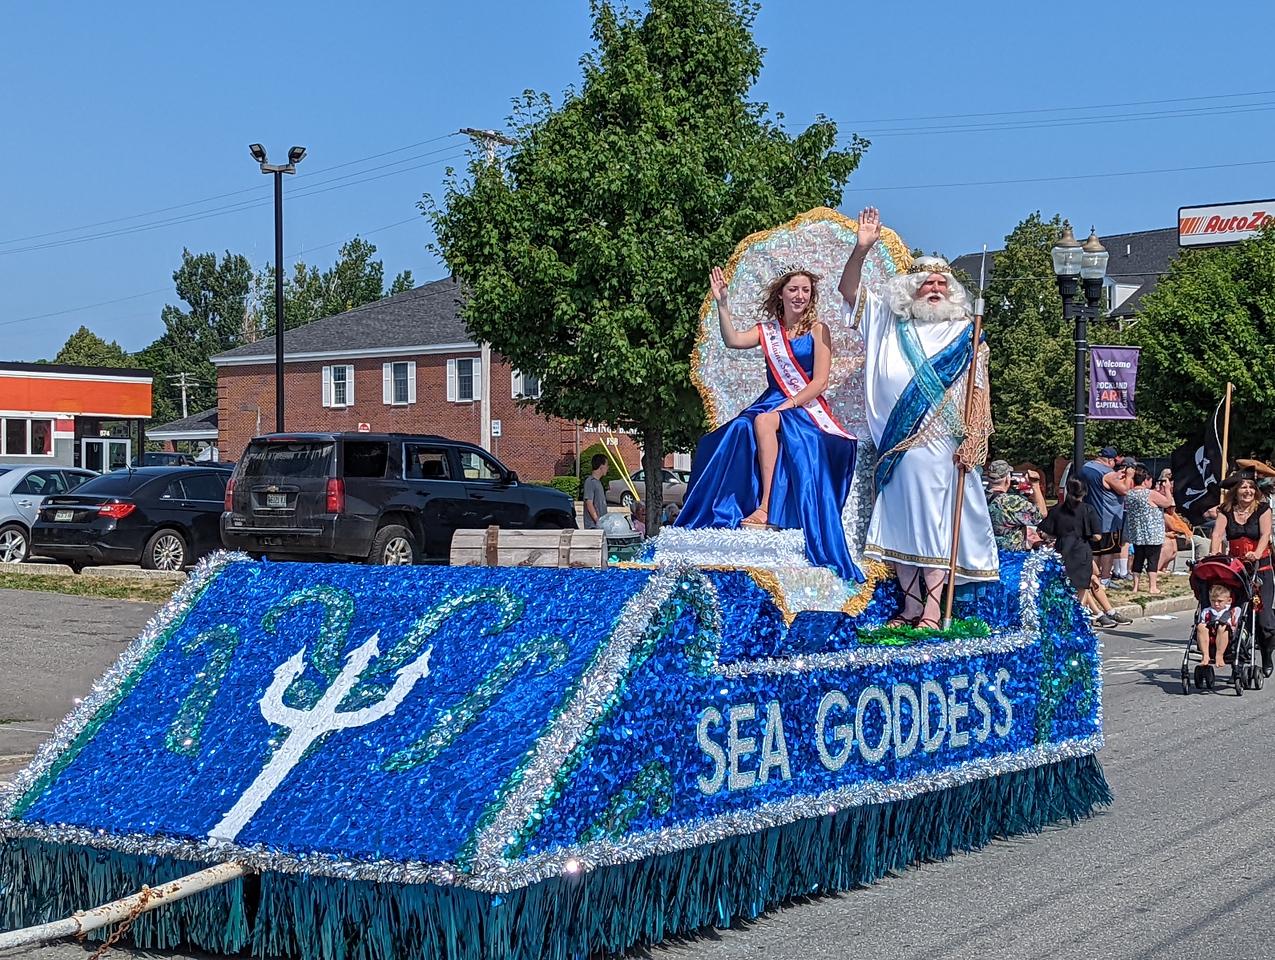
(383, 498)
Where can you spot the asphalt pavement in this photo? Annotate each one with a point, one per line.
(1178, 867)
(52, 648)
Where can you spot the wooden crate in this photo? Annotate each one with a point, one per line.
(494, 547)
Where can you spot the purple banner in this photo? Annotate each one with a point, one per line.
(1113, 373)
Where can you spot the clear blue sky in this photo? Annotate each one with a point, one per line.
(112, 111)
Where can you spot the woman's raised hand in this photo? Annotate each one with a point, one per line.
(869, 228)
(717, 283)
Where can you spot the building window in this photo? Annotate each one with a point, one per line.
(464, 380)
(20, 437)
(526, 386)
(398, 382)
(338, 386)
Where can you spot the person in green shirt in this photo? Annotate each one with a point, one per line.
(1014, 516)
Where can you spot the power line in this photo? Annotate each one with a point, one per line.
(1072, 121)
(235, 207)
(1079, 176)
(153, 293)
(1096, 106)
(262, 188)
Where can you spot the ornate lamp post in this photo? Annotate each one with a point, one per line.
(1073, 263)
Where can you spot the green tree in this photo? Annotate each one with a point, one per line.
(308, 295)
(587, 254)
(84, 348)
(1212, 320)
(216, 294)
(1031, 352)
(1033, 360)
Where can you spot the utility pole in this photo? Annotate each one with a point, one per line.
(490, 139)
(181, 379)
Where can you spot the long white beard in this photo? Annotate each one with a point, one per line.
(925, 312)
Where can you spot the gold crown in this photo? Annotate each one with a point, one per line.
(931, 265)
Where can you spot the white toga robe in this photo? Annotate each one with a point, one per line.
(912, 517)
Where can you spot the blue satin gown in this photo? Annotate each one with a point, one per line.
(812, 475)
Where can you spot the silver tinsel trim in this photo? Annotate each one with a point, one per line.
(593, 693)
(74, 723)
(731, 548)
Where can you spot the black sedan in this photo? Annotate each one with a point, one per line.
(164, 518)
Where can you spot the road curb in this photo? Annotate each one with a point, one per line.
(38, 569)
(1153, 608)
(134, 573)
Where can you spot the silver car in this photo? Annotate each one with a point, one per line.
(22, 487)
(618, 491)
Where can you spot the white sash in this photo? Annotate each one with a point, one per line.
(792, 379)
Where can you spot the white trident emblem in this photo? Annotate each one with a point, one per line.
(307, 726)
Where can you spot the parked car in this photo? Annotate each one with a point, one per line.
(21, 489)
(163, 458)
(164, 518)
(674, 489)
(380, 498)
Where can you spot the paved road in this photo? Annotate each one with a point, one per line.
(52, 648)
(1179, 866)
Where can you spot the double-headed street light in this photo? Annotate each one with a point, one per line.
(1073, 262)
(295, 156)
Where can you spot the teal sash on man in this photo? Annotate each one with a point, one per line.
(931, 378)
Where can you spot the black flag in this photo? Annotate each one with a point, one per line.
(1197, 470)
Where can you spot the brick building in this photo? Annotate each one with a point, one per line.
(402, 364)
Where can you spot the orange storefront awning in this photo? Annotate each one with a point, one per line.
(85, 395)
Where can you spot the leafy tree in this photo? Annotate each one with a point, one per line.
(1212, 319)
(1032, 357)
(355, 279)
(587, 254)
(216, 294)
(84, 348)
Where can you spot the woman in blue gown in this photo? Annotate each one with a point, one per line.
(783, 462)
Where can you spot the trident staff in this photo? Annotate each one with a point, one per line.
(971, 384)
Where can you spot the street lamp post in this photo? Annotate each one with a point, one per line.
(295, 156)
(1072, 264)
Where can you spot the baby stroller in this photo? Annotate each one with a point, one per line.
(1237, 577)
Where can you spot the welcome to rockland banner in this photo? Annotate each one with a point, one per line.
(1113, 374)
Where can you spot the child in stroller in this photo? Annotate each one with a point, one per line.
(1224, 630)
(1215, 625)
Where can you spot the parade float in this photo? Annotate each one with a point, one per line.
(470, 762)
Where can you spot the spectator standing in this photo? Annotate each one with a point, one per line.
(1144, 525)
(1014, 516)
(1176, 529)
(1105, 489)
(595, 496)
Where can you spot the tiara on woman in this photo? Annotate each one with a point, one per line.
(794, 267)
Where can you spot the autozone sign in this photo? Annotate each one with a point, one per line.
(1222, 222)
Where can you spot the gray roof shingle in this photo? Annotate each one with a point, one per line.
(204, 420)
(427, 316)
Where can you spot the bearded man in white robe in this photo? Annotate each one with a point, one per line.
(918, 344)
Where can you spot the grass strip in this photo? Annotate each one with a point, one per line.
(106, 588)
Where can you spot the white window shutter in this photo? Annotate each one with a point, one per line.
(515, 384)
(387, 383)
(327, 386)
(411, 382)
(477, 366)
(452, 389)
(349, 385)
